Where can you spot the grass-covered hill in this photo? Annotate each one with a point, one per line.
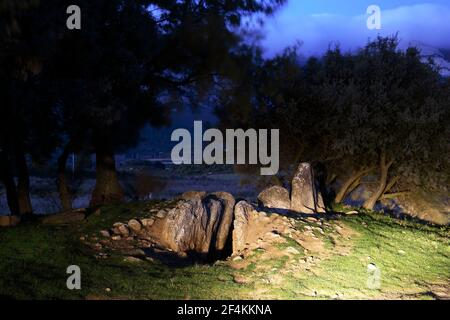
(360, 256)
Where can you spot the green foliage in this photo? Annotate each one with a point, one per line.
(346, 110)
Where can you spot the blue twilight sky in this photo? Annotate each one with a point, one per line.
(319, 23)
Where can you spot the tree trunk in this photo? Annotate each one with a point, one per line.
(23, 183)
(350, 183)
(107, 188)
(7, 178)
(61, 181)
(384, 169)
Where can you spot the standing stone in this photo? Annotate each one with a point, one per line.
(226, 220)
(305, 195)
(242, 212)
(274, 197)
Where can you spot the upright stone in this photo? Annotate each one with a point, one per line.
(226, 219)
(242, 212)
(305, 195)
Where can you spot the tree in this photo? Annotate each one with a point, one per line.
(379, 108)
(25, 101)
(131, 61)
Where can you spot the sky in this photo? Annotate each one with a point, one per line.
(319, 23)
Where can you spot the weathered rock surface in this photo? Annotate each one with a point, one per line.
(147, 222)
(275, 197)
(226, 220)
(9, 221)
(305, 195)
(200, 225)
(120, 229)
(242, 212)
(105, 233)
(134, 225)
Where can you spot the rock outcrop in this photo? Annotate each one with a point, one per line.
(305, 195)
(198, 226)
(274, 197)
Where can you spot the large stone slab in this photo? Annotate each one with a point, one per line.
(200, 225)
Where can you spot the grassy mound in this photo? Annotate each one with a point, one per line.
(413, 261)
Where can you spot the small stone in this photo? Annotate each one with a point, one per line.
(240, 279)
(371, 267)
(132, 259)
(105, 233)
(123, 230)
(116, 237)
(147, 222)
(292, 250)
(222, 278)
(134, 225)
(108, 289)
(161, 214)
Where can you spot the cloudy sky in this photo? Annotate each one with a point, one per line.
(317, 23)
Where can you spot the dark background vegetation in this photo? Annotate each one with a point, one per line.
(379, 111)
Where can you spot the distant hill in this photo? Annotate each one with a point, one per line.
(441, 57)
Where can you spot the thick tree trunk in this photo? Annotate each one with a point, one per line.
(107, 188)
(384, 170)
(61, 181)
(7, 178)
(350, 184)
(23, 183)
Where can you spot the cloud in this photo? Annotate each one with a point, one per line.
(426, 23)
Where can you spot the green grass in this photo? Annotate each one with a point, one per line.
(409, 256)
(34, 258)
